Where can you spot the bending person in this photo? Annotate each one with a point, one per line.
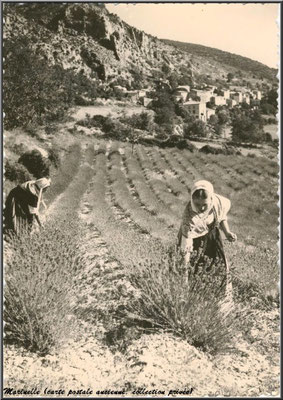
(204, 214)
(22, 206)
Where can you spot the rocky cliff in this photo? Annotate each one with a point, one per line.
(86, 38)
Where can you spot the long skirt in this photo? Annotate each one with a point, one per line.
(17, 217)
(210, 255)
(211, 246)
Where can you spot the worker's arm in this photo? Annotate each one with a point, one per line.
(36, 216)
(232, 237)
(44, 204)
(186, 247)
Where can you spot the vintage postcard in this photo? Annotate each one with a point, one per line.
(141, 192)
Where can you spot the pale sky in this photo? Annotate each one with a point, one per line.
(250, 30)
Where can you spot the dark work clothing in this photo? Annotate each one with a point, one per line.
(212, 246)
(209, 245)
(17, 214)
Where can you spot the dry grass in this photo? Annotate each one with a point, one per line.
(39, 286)
(39, 310)
(174, 297)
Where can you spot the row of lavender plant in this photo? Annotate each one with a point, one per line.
(176, 187)
(158, 291)
(154, 177)
(39, 311)
(126, 201)
(144, 191)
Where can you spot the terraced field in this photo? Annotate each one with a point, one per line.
(128, 206)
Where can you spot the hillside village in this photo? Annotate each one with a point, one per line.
(204, 103)
(200, 101)
(91, 54)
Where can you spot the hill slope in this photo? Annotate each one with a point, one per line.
(87, 38)
(224, 57)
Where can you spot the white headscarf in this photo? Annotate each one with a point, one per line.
(208, 187)
(43, 183)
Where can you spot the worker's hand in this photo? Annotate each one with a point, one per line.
(232, 237)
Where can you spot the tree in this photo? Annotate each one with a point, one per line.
(137, 82)
(223, 117)
(164, 108)
(184, 113)
(133, 137)
(247, 129)
(173, 80)
(35, 92)
(142, 121)
(213, 123)
(196, 128)
(185, 80)
(269, 103)
(230, 76)
(165, 69)
(245, 106)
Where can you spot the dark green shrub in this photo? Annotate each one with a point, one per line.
(248, 128)
(35, 92)
(16, 172)
(275, 142)
(18, 148)
(268, 137)
(50, 129)
(35, 163)
(207, 149)
(272, 121)
(226, 150)
(195, 128)
(143, 121)
(54, 156)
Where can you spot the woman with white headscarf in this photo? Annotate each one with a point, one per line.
(22, 206)
(205, 213)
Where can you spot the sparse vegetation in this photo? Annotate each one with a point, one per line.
(224, 57)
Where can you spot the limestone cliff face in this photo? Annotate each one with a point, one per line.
(86, 38)
(83, 37)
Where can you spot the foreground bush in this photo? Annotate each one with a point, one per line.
(54, 156)
(226, 150)
(180, 299)
(16, 172)
(35, 163)
(172, 141)
(38, 296)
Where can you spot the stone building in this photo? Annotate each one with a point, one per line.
(197, 109)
